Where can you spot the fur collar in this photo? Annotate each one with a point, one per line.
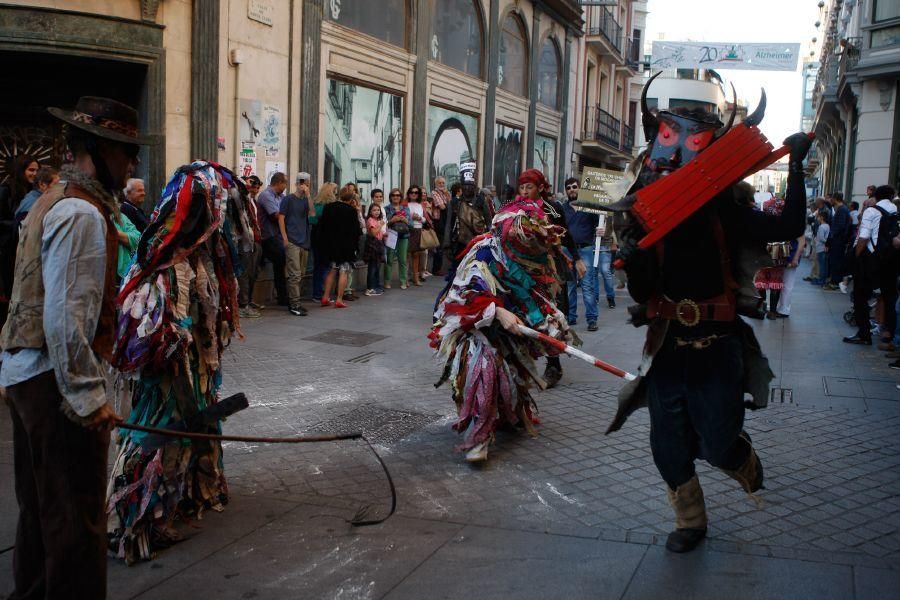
(74, 175)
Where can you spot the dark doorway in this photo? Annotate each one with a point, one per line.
(34, 81)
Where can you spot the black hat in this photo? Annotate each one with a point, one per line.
(104, 118)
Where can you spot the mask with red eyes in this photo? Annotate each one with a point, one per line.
(678, 140)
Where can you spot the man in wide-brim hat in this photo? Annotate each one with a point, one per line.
(61, 324)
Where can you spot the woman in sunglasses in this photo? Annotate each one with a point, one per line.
(417, 216)
(398, 219)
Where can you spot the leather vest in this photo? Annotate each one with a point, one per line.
(24, 327)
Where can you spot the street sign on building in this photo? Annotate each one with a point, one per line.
(725, 55)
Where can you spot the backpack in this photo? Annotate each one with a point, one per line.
(470, 222)
(888, 229)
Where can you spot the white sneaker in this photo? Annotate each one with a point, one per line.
(843, 287)
(370, 292)
(478, 453)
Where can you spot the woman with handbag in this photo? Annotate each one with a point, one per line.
(398, 219)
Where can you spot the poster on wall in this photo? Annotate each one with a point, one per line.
(363, 137)
(251, 122)
(545, 156)
(248, 162)
(452, 139)
(271, 129)
(507, 159)
(272, 167)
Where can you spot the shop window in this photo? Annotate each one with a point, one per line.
(889, 36)
(885, 10)
(385, 19)
(363, 136)
(545, 156)
(692, 104)
(457, 35)
(507, 158)
(549, 70)
(513, 76)
(452, 137)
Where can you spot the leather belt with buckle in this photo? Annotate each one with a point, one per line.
(689, 312)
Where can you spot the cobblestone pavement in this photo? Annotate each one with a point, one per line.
(570, 513)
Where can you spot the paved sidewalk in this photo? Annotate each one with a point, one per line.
(569, 514)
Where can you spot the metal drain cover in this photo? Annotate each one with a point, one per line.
(344, 337)
(377, 424)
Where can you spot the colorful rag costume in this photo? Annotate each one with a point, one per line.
(178, 311)
(513, 266)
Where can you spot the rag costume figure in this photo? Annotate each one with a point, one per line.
(178, 312)
(506, 277)
(700, 357)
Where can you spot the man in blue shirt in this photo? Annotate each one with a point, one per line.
(293, 223)
(583, 229)
(269, 207)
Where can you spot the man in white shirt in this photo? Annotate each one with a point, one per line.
(870, 274)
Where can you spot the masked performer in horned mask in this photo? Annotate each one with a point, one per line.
(700, 357)
(506, 277)
(178, 312)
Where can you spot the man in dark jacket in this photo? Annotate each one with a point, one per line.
(339, 230)
(837, 241)
(467, 217)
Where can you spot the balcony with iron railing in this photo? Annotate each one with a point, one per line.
(601, 26)
(849, 59)
(826, 83)
(603, 128)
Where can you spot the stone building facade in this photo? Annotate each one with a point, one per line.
(385, 93)
(854, 98)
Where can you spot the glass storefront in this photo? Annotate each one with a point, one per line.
(456, 35)
(363, 137)
(513, 75)
(507, 157)
(452, 139)
(384, 19)
(545, 156)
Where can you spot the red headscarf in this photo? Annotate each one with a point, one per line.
(534, 176)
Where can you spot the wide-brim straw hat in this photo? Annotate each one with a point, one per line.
(105, 118)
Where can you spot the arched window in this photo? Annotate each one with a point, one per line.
(513, 75)
(549, 69)
(385, 19)
(457, 35)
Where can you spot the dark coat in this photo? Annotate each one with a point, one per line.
(338, 231)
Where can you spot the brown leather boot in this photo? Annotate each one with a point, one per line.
(749, 474)
(690, 516)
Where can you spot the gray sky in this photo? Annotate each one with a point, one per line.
(743, 21)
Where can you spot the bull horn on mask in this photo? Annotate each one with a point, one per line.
(757, 115)
(728, 126)
(648, 119)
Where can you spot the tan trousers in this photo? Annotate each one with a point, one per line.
(295, 267)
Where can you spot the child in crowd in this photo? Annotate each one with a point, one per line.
(374, 250)
(821, 248)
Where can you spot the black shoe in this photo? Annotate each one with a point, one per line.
(895, 364)
(611, 302)
(684, 540)
(592, 326)
(858, 339)
(778, 315)
(552, 375)
(298, 311)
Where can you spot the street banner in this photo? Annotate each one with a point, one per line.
(725, 55)
(596, 186)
